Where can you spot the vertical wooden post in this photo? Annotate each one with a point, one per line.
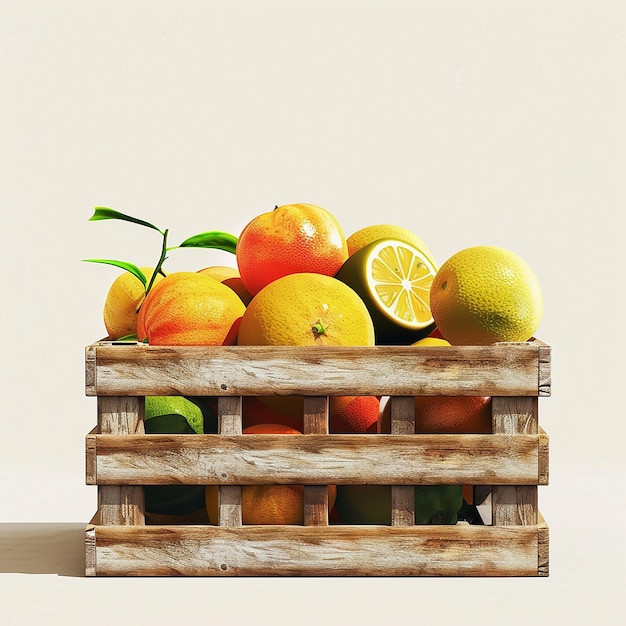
(514, 505)
(229, 418)
(121, 505)
(402, 496)
(316, 496)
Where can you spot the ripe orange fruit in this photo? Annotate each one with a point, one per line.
(290, 239)
(123, 299)
(268, 504)
(346, 414)
(353, 414)
(485, 294)
(230, 277)
(446, 414)
(256, 411)
(187, 309)
(306, 309)
(454, 414)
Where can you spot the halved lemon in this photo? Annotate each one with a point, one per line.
(393, 278)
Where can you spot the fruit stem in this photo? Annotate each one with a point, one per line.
(318, 328)
(157, 269)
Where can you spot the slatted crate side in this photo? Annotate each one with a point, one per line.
(512, 369)
(121, 545)
(317, 459)
(460, 550)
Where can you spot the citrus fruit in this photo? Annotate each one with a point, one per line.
(123, 299)
(173, 415)
(292, 238)
(374, 232)
(486, 294)
(188, 308)
(256, 411)
(371, 504)
(268, 504)
(346, 414)
(393, 278)
(230, 277)
(452, 414)
(432, 341)
(353, 414)
(306, 309)
(445, 414)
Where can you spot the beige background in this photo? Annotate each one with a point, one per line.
(469, 122)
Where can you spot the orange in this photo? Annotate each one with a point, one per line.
(230, 277)
(353, 414)
(306, 309)
(122, 302)
(268, 504)
(346, 414)
(257, 411)
(446, 414)
(485, 294)
(292, 238)
(187, 309)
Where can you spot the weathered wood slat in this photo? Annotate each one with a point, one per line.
(315, 459)
(519, 369)
(315, 417)
(515, 504)
(402, 422)
(461, 550)
(229, 420)
(120, 504)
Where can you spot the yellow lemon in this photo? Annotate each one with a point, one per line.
(122, 301)
(486, 294)
(374, 232)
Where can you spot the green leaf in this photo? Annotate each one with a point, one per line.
(103, 213)
(212, 239)
(129, 267)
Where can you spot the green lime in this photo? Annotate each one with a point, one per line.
(393, 278)
(173, 415)
(371, 504)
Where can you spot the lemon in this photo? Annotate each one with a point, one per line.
(486, 294)
(374, 232)
(124, 297)
(393, 278)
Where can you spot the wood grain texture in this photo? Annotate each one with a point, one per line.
(90, 550)
(543, 564)
(120, 504)
(515, 504)
(315, 419)
(230, 422)
(402, 422)
(316, 459)
(499, 369)
(461, 550)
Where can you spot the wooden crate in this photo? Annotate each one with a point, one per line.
(507, 465)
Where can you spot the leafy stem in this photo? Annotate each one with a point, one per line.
(211, 239)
